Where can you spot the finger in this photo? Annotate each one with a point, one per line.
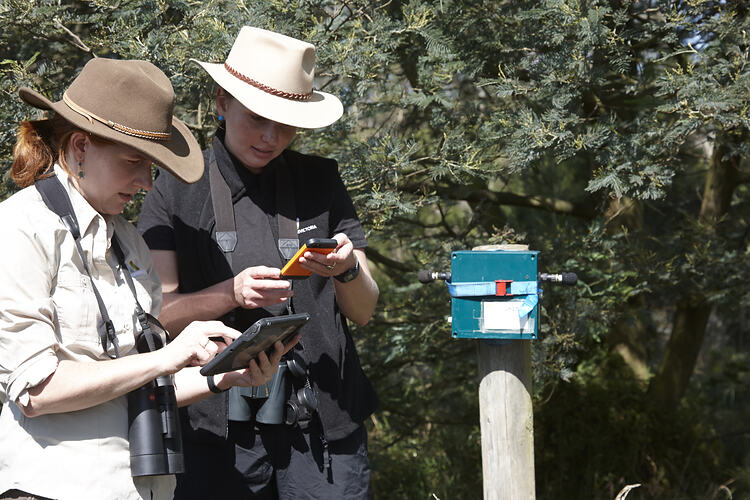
(251, 293)
(211, 348)
(341, 256)
(269, 301)
(275, 357)
(317, 263)
(278, 351)
(267, 297)
(264, 272)
(200, 358)
(211, 329)
(331, 260)
(268, 285)
(267, 371)
(281, 293)
(245, 379)
(311, 258)
(281, 348)
(256, 373)
(263, 362)
(309, 264)
(219, 329)
(330, 265)
(342, 239)
(220, 345)
(289, 345)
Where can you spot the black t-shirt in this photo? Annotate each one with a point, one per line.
(180, 217)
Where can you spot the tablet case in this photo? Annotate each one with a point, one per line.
(261, 336)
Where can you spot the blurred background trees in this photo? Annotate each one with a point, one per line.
(610, 135)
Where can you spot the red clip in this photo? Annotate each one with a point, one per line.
(502, 287)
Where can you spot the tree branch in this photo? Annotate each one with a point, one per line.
(584, 210)
(379, 258)
(77, 42)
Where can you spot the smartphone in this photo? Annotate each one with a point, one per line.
(261, 336)
(293, 269)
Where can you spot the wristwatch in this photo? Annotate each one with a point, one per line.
(349, 274)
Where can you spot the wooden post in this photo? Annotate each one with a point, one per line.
(506, 417)
(507, 420)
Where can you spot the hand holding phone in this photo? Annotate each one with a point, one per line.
(293, 268)
(260, 286)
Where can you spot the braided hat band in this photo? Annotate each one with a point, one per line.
(143, 134)
(266, 88)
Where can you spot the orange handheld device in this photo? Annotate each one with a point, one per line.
(293, 269)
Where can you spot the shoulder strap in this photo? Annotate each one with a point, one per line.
(57, 200)
(54, 196)
(221, 198)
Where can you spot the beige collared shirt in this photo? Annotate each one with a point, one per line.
(48, 313)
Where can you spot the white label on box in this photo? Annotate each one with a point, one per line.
(503, 316)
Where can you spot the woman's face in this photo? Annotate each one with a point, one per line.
(254, 140)
(112, 173)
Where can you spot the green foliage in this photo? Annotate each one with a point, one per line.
(629, 442)
(589, 130)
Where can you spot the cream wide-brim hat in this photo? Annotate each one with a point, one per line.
(129, 102)
(272, 75)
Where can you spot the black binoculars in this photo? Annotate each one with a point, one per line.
(153, 419)
(284, 403)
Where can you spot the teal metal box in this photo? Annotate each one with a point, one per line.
(493, 316)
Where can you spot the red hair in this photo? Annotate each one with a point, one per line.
(39, 144)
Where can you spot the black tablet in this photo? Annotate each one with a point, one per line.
(261, 336)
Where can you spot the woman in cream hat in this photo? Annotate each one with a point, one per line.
(76, 290)
(219, 245)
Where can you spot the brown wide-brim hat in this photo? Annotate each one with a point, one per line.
(272, 75)
(129, 102)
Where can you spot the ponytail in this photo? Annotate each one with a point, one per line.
(39, 144)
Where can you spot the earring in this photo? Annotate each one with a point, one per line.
(81, 173)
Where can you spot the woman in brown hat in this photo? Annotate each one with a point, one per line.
(219, 245)
(76, 287)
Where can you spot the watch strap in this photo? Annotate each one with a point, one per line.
(349, 274)
(212, 385)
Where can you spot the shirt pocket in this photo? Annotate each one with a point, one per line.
(76, 307)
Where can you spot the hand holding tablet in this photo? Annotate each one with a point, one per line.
(261, 336)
